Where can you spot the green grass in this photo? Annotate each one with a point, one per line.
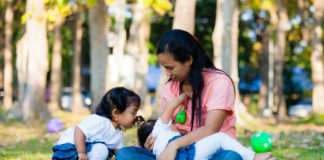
(18, 141)
(291, 141)
(308, 145)
(316, 119)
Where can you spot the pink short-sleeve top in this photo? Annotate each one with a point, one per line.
(218, 93)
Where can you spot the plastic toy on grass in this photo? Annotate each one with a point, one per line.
(181, 117)
(261, 142)
(54, 125)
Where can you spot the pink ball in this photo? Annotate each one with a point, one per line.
(54, 125)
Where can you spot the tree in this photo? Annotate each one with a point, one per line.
(56, 13)
(317, 58)
(303, 6)
(263, 53)
(138, 35)
(184, 15)
(56, 72)
(225, 40)
(32, 64)
(262, 48)
(280, 46)
(99, 52)
(2, 37)
(77, 105)
(217, 33)
(120, 42)
(7, 101)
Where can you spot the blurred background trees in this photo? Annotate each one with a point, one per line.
(65, 54)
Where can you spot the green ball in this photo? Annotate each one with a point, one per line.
(261, 142)
(181, 117)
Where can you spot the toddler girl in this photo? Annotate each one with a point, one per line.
(100, 133)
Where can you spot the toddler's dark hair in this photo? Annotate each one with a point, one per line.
(119, 98)
(144, 131)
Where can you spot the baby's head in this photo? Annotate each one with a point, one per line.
(119, 105)
(144, 131)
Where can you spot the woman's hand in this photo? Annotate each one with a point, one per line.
(83, 156)
(149, 143)
(170, 152)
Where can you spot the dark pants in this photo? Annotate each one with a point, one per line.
(135, 153)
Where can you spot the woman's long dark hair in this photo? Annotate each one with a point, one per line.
(182, 45)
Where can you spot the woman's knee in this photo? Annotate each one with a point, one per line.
(134, 153)
(98, 151)
(226, 155)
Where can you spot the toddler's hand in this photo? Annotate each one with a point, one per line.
(181, 99)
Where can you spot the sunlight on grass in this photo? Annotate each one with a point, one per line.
(291, 141)
(19, 141)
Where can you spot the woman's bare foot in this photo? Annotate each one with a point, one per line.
(263, 156)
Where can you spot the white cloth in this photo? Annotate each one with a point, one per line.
(96, 129)
(205, 147)
(98, 151)
(163, 134)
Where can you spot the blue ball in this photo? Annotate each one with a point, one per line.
(54, 125)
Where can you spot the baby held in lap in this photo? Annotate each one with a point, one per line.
(165, 131)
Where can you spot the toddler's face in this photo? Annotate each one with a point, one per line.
(127, 118)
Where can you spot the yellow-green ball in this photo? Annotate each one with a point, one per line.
(261, 142)
(181, 117)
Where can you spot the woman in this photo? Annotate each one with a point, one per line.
(211, 107)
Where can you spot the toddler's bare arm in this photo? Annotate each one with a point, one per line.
(172, 105)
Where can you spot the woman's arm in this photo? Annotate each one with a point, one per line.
(79, 142)
(213, 123)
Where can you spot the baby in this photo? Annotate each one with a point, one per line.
(165, 131)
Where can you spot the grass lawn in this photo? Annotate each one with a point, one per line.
(300, 139)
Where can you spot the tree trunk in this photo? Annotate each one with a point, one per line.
(99, 26)
(34, 58)
(145, 32)
(225, 38)
(22, 74)
(7, 100)
(264, 67)
(303, 6)
(280, 47)
(56, 72)
(317, 59)
(118, 50)
(181, 21)
(272, 51)
(136, 48)
(77, 105)
(184, 15)
(217, 34)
